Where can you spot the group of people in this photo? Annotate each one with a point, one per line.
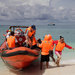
(47, 45)
(30, 40)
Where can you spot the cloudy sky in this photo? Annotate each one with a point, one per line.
(36, 11)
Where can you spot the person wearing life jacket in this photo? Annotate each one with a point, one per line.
(31, 34)
(34, 43)
(51, 48)
(60, 44)
(11, 40)
(7, 33)
(45, 47)
(31, 31)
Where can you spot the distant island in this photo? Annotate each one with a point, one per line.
(51, 24)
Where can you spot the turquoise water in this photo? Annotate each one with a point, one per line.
(67, 31)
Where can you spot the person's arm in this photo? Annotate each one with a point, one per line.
(26, 31)
(16, 40)
(4, 34)
(40, 45)
(69, 47)
(39, 41)
(55, 42)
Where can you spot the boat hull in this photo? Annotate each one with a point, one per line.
(20, 57)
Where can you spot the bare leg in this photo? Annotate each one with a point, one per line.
(41, 63)
(47, 63)
(53, 58)
(58, 59)
(31, 41)
(27, 41)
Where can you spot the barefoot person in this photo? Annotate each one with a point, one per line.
(45, 47)
(60, 44)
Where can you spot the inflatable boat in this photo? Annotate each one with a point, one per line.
(19, 57)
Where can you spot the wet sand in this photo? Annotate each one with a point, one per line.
(66, 68)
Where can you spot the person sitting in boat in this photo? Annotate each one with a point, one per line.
(31, 40)
(7, 33)
(11, 40)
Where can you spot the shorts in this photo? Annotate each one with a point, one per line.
(44, 58)
(58, 52)
(51, 53)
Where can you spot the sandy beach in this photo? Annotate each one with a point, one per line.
(66, 68)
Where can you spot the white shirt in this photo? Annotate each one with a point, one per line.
(8, 34)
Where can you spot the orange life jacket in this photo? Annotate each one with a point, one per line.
(34, 41)
(30, 32)
(52, 45)
(60, 46)
(45, 47)
(11, 41)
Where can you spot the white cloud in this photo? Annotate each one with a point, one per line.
(34, 10)
(61, 8)
(24, 2)
(2, 4)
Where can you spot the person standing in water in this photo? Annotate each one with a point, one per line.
(45, 47)
(60, 44)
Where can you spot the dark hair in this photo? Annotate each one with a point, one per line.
(12, 33)
(61, 37)
(34, 27)
(39, 40)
